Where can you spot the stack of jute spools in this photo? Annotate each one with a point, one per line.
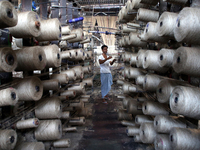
(50, 96)
(160, 83)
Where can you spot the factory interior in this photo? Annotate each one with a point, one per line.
(51, 84)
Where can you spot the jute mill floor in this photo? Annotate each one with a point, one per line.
(102, 130)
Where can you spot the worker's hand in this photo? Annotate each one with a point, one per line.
(109, 57)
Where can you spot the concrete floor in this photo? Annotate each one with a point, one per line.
(102, 130)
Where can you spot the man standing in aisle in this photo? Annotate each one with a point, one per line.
(106, 76)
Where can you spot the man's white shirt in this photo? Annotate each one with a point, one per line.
(104, 68)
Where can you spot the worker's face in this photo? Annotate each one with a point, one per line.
(105, 49)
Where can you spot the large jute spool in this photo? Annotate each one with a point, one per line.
(125, 88)
(30, 58)
(135, 72)
(185, 100)
(125, 13)
(127, 56)
(128, 7)
(90, 53)
(165, 57)
(28, 123)
(151, 59)
(150, 34)
(62, 78)
(120, 17)
(52, 84)
(162, 142)
(133, 59)
(125, 101)
(86, 40)
(9, 96)
(77, 121)
(129, 123)
(77, 105)
(79, 36)
(134, 107)
(186, 61)
(131, 131)
(66, 30)
(133, 89)
(53, 57)
(176, 1)
(147, 133)
(49, 108)
(140, 58)
(135, 25)
(87, 69)
(28, 25)
(150, 2)
(165, 89)
(65, 115)
(70, 129)
(77, 54)
(8, 58)
(126, 29)
(140, 80)
(187, 139)
(151, 82)
(154, 108)
(68, 37)
(49, 130)
(62, 143)
(70, 73)
(8, 15)
(66, 54)
(188, 32)
(134, 40)
(147, 15)
(123, 115)
(164, 123)
(139, 119)
(29, 89)
(30, 146)
(8, 139)
(79, 72)
(166, 23)
(79, 89)
(88, 82)
(68, 93)
(50, 30)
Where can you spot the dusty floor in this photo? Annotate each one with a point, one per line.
(102, 130)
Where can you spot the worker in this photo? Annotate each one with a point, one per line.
(106, 76)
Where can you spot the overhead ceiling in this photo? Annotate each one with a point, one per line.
(101, 7)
